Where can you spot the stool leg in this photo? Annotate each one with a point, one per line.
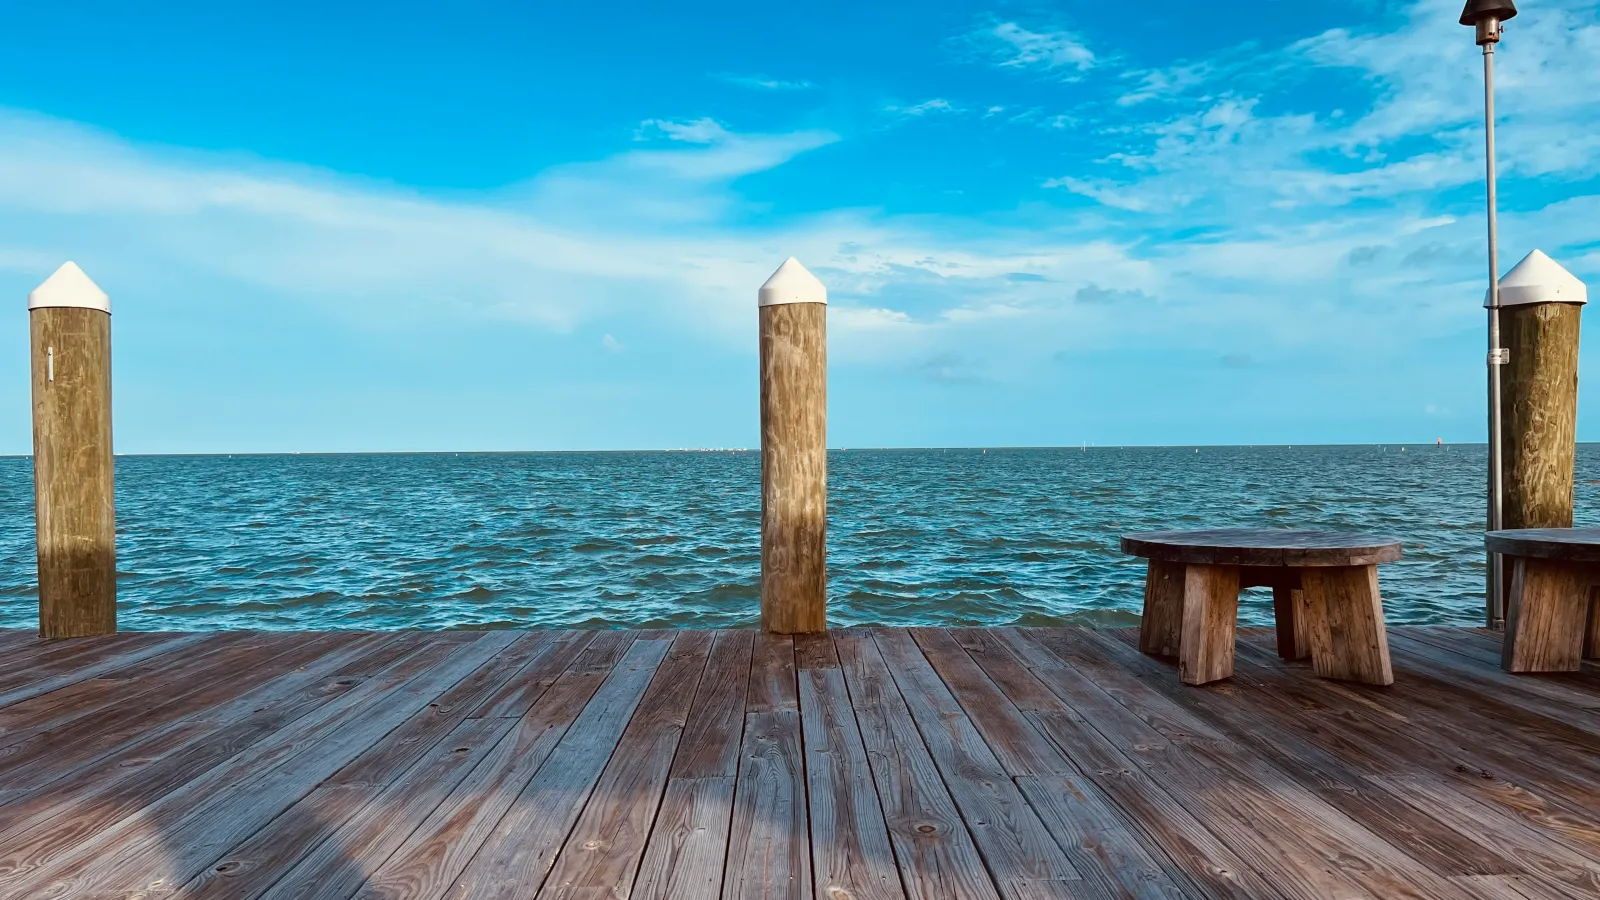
(1287, 604)
(1210, 614)
(1344, 615)
(1591, 641)
(1546, 617)
(1162, 625)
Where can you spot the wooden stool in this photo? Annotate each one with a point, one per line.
(1552, 619)
(1324, 597)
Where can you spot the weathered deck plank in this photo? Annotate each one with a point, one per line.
(880, 764)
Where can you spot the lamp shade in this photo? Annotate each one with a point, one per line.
(1483, 9)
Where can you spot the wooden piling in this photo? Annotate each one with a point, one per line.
(70, 325)
(794, 451)
(1539, 324)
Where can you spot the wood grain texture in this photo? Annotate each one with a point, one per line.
(74, 497)
(1266, 547)
(768, 845)
(850, 852)
(794, 467)
(1547, 617)
(436, 853)
(1022, 857)
(367, 796)
(602, 853)
(1161, 626)
(1539, 413)
(517, 854)
(1291, 623)
(934, 849)
(1591, 635)
(864, 765)
(1344, 613)
(177, 837)
(1210, 614)
(1575, 545)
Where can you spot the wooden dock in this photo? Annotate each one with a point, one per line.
(971, 763)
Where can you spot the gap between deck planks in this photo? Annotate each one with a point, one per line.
(1003, 764)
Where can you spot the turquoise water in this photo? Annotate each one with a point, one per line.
(924, 537)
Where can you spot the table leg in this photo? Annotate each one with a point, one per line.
(1344, 615)
(1287, 607)
(1162, 624)
(1546, 617)
(1210, 615)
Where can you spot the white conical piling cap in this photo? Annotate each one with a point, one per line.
(69, 287)
(1540, 279)
(792, 283)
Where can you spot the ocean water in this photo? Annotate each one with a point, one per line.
(916, 537)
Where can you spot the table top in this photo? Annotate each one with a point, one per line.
(1569, 544)
(1263, 547)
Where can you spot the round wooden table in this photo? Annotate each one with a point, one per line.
(1552, 619)
(1324, 596)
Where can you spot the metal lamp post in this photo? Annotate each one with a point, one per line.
(1487, 17)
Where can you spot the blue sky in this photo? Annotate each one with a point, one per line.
(487, 225)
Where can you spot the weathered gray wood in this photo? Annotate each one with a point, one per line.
(933, 848)
(328, 757)
(794, 467)
(1161, 626)
(601, 855)
(768, 856)
(1262, 547)
(1016, 745)
(439, 849)
(772, 679)
(336, 866)
(1210, 614)
(354, 804)
(1573, 545)
(1102, 846)
(43, 681)
(689, 842)
(850, 852)
(714, 731)
(517, 855)
(204, 821)
(147, 727)
(688, 845)
(1022, 857)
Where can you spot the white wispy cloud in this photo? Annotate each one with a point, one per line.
(1010, 45)
(1219, 220)
(927, 107)
(764, 83)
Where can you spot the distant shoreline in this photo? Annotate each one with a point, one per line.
(753, 450)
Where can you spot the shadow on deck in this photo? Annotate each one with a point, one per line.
(882, 763)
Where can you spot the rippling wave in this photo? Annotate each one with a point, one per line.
(916, 537)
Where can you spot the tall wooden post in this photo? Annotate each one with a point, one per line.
(794, 451)
(70, 325)
(1541, 309)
